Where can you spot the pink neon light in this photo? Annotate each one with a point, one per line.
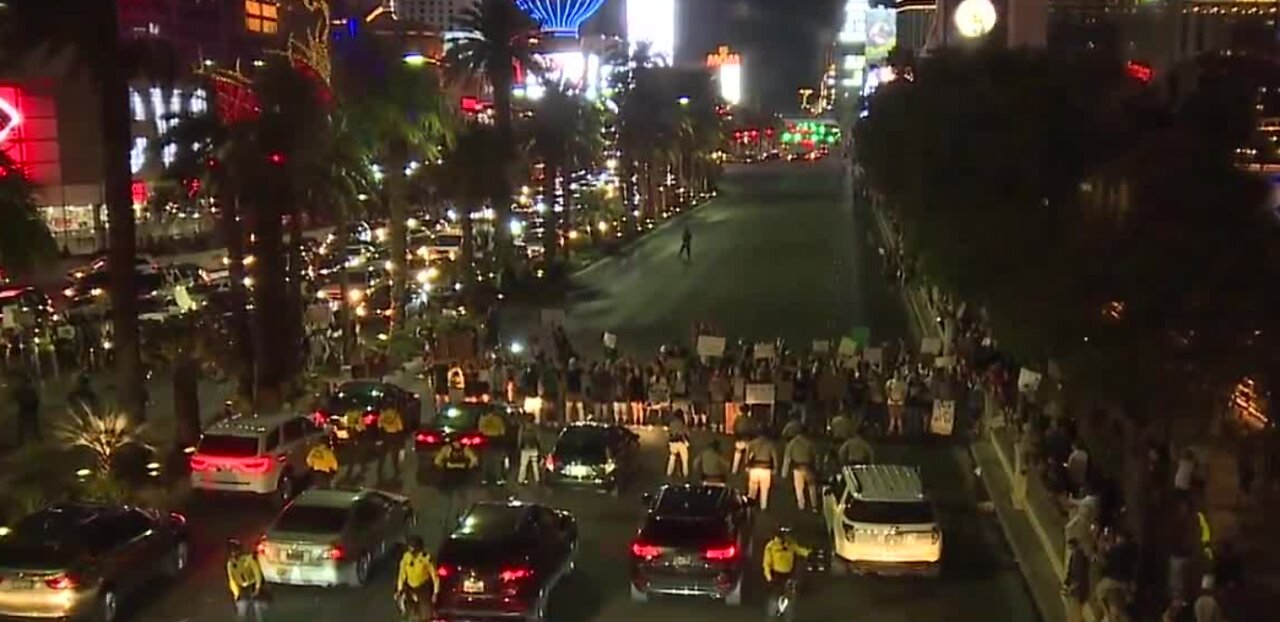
(15, 119)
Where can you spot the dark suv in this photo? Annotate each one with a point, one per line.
(594, 456)
(503, 560)
(79, 560)
(694, 541)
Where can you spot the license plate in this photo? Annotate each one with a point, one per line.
(20, 584)
(577, 470)
(342, 434)
(295, 556)
(473, 586)
(682, 561)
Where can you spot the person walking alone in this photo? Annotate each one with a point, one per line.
(762, 459)
(244, 579)
(677, 445)
(798, 458)
(530, 453)
(686, 244)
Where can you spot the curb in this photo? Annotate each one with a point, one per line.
(1042, 534)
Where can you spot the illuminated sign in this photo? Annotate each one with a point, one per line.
(10, 119)
(1141, 72)
(975, 18)
(882, 32)
(560, 18)
(728, 68)
(653, 22)
(855, 22)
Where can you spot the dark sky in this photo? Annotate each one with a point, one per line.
(783, 42)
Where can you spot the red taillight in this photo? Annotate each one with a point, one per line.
(427, 438)
(262, 547)
(60, 582)
(551, 462)
(443, 571)
(370, 419)
(472, 441)
(722, 554)
(253, 465)
(320, 417)
(645, 551)
(200, 463)
(515, 574)
(336, 553)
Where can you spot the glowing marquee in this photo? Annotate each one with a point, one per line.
(10, 119)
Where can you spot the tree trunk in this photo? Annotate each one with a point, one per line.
(468, 255)
(501, 199)
(186, 400)
(297, 280)
(270, 331)
(398, 228)
(233, 231)
(344, 316)
(117, 142)
(551, 225)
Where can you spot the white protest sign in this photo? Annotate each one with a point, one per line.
(759, 393)
(610, 341)
(930, 345)
(943, 420)
(711, 346)
(848, 347)
(765, 351)
(1028, 381)
(944, 362)
(821, 346)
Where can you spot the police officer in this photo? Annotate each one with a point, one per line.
(530, 453)
(744, 429)
(855, 450)
(841, 427)
(456, 463)
(244, 578)
(712, 465)
(799, 457)
(390, 441)
(416, 571)
(677, 444)
(493, 427)
(762, 459)
(323, 463)
(779, 563)
(357, 446)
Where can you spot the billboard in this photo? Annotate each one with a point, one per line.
(882, 33)
(653, 22)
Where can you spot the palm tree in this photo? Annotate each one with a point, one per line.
(648, 126)
(402, 114)
(91, 38)
(503, 39)
(565, 135)
(24, 235)
(468, 176)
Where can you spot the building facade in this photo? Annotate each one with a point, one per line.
(437, 15)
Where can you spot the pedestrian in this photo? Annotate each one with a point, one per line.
(573, 405)
(799, 458)
(1184, 476)
(27, 399)
(530, 444)
(456, 464)
(1075, 586)
(711, 464)
(493, 427)
(618, 379)
(761, 458)
(601, 392)
(244, 578)
(390, 441)
(855, 450)
(636, 396)
(896, 395)
(1181, 542)
(1078, 466)
(686, 244)
(1206, 607)
(677, 444)
(323, 464)
(717, 395)
(841, 427)
(659, 395)
(1119, 570)
(82, 396)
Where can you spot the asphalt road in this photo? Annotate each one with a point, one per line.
(779, 254)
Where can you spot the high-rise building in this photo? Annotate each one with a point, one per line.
(196, 30)
(439, 15)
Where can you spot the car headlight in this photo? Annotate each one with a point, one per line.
(609, 467)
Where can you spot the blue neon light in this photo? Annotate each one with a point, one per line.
(560, 18)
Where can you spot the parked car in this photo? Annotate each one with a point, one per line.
(259, 454)
(695, 541)
(881, 522)
(461, 421)
(77, 561)
(601, 457)
(334, 537)
(503, 560)
(370, 398)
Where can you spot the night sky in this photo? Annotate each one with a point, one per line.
(783, 42)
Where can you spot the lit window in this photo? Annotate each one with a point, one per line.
(138, 106)
(199, 102)
(169, 154)
(261, 16)
(138, 155)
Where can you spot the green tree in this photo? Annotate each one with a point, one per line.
(42, 31)
(24, 235)
(467, 177)
(504, 39)
(648, 127)
(404, 117)
(564, 134)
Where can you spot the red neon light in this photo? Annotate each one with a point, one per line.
(1141, 72)
(472, 104)
(138, 191)
(10, 118)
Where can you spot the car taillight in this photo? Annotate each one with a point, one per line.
(336, 553)
(60, 582)
(645, 551)
(512, 575)
(722, 554)
(443, 571)
(200, 463)
(472, 441)
(935, 536)
(254, 465)
(551, 462)
(427, 438)
(262, 547)
(370, 419)
(320, 417)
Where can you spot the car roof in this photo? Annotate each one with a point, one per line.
(491, 520)
(249, 425)
(885, 482)
(331, 498)
(691, 501)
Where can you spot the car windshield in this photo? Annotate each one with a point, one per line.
(448, 240)
(488, 521)
(228, 446)
(587, 444)
(312, 519)
(460, 416)
(359, 394)
(681, 532)
(889, 512)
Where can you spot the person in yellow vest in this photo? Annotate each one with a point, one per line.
(323, 463)
(779, 562)
(457, 384)
(390, 441)
(416, 576)
(356, 446)
(493, 457)
(456, 464)
(244, 579)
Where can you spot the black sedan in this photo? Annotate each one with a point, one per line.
(594, 456)
(81, 560)
(694, 541)
(370, 398)
(503, 560)
(461, 421)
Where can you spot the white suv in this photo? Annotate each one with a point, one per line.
(881, 522)
(260, 454)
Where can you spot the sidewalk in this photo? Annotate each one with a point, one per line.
(1035, 534)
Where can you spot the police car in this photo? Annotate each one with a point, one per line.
(882, 522)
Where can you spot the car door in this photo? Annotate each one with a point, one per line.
(126, 550)
(553, 549)
(366, 527)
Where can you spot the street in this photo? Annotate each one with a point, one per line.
(779, 254)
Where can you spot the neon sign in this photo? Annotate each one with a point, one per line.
(10, 119)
